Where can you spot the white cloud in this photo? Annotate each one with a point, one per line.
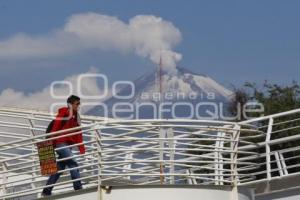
(144, 35)
(43, 100)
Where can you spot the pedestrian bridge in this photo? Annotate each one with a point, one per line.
(158, 159)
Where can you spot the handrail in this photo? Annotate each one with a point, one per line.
(158, 151)
(271, 116)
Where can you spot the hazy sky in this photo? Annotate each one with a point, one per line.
(231, 41)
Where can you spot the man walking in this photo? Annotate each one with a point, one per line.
(66, 118)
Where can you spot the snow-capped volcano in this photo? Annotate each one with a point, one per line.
(183, 81)
(182, 87)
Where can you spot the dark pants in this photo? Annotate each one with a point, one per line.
(61, 165)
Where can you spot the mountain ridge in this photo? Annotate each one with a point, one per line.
(194, 87)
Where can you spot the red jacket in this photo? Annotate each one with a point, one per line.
(71, 122)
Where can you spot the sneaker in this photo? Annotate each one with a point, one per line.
(78, 188)
(46, 193)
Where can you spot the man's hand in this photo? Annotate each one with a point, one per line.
(81, 149)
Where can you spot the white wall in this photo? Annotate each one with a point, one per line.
(163, 193)
(289, 194)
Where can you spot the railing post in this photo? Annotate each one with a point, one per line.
(94, 160)
(283, 164)
(97, 133)
(268, 149)
(216, 155)
(277, 157)
(234, 155)
(171, 143)
(219, 159)
(191, 179)
(33, 149)
(4, 178)
(126, 168)
(162, 135)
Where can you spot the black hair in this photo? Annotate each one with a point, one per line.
(72, 99)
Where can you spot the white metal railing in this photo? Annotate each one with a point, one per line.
(143, 152)
(278, 148)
